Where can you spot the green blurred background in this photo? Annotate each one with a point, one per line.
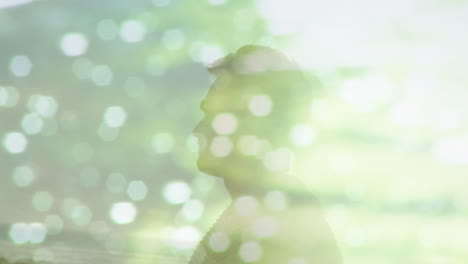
(98, 100)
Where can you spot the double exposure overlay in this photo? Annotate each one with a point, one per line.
(233, 131)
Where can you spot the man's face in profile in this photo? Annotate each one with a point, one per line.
(246, 118)
(237, 127)
(216, 130)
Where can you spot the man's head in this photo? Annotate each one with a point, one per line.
(258, 96)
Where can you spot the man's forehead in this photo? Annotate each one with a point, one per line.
(220, 98)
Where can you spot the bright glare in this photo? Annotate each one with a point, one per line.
(20, 66)
(276, 201)
(32, 123)
(23, 176)
(249, 145)
(22, 233)
(43, 105)
(42, 201)
(278, 160)
(107, 29)
(123, 213)
(132, 31)
(218, 242)
(260, 105)
(102, 75)
(302, 135)
(15, 142)
(74, 44)
(176, 192)
(163, 142)
(221, 146)
(224, 124)
(193, 210)
(137, 190)
(186, 237)
(173, 39)
(246, 205)
(115, 116)
(250, 251)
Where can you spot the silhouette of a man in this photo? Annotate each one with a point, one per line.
(257, 97)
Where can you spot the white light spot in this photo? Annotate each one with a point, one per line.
(260, 105)
(173, 39)
(116, 183)
(218, 242)
(186, 237)
(192, 144)
(8, 96)
(68, 205)
(23, 176)
(22, 233)
(123, 213)
(42, 201)
(107, 29)
(407, 114)
(74, 44)
(137, 190)
(45, 106)
(193, 210)
(365, 94)
(278, 160)
(224, 124)
(37, 233)
(246, 205)
(302, 135)
(265, 227)
(275, 201)
(15, 142)
(107, 133)
(250, 251)
(20, 66)
(205, 54)
(221, 146)
(132, 31)
(249, 145)
(163, 142)
(176, 192)
(115, 116)
(102, 75)
(452, 150)
(81, 215)
(32, 123)
(19, 233)
(12, 3)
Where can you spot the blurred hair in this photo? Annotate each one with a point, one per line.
(253, 59)
(257, 70)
